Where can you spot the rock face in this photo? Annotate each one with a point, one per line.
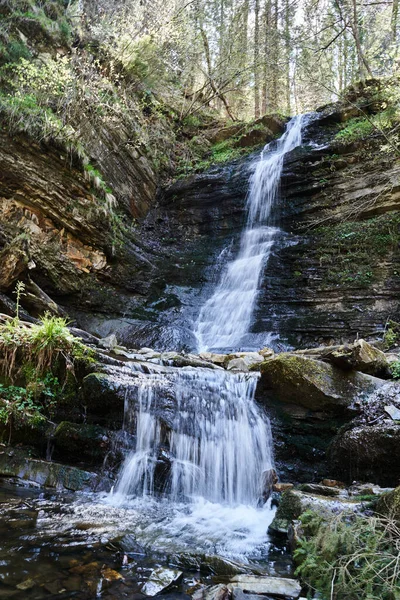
(368, 453)
(144, 282)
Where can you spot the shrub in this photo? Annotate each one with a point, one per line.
(348, 556)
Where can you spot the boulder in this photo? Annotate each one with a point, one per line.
(216, 592)
(294, 502)
(209, 564)
(322, 490)
(101, 392)
(160, 580)
(274, 122)
(237, 364)
(313, 384)
(255, 136)
(218, 359)
(360, 356)
(368, 452)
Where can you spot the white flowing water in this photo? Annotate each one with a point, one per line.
(208, 495)
(218, 439)
(226, 316)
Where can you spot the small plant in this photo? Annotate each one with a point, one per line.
(390, 338)
(18, 408)
(395, 369)
(19, 291)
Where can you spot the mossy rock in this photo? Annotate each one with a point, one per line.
(100, 393)
(290, 506)
(389, 505)
(314, 384)
(75, 442)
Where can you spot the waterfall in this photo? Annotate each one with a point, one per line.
(226, 316)
(216, 438)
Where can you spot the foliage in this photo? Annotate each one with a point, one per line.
(395, 369)
(351, 250)
(46, 346)
(347, 557)
(355, 129)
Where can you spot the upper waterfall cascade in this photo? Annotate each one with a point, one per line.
(226, 316)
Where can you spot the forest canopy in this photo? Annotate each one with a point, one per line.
(250, 57)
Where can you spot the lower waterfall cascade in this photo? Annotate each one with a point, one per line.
(219, 441)
(225, 318)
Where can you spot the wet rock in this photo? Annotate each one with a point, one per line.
(237, 364)
(160, 580)
(209, 564)
(242, 361)
(276, 586)
(238, 594)
(323, 490)
(76, 443)
(109, 342)
(128, 544)
(314, 384)
(393, 412)
(26, 585)
(48, 474)
(294, 502)
(368, 453)
(218, 359)
(216, 592)
(191, 361)
(266, 353)
(269, 479)
(101, 393)
(367, 489)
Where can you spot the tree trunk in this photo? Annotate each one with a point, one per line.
(257, 59)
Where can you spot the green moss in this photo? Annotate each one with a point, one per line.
(289, 507)
(352, 251)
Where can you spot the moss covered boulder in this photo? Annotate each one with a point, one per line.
(389, 505)
(360, 356)
(313, 384)
(295, 502)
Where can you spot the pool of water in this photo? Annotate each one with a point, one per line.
(100, 546)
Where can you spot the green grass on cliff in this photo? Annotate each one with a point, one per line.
(353, 252)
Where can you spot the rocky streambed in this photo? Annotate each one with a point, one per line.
(66, 533)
